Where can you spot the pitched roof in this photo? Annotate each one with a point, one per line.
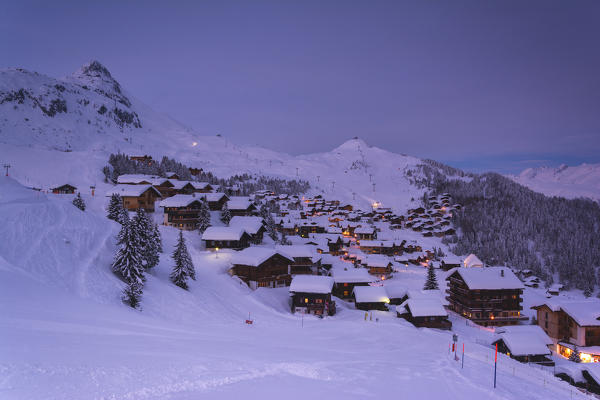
(311, 284)
(472, 261)
(352, 275)
(254, 256)
(370, 294)
(131, 190)
(223, 233)
(179, 200)
(239, 203)
(488, 278)
(425, 307)
(523, 343)
(251, 224)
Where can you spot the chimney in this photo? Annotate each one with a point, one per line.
(502, 273)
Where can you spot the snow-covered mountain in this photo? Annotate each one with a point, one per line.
(62, 130)
(565, 181)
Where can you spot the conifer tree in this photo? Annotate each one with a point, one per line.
(203, 221)
(145, 231)
(431, 282)
(115, 207)
(284, 240)
(123, 216)
(184, 267)
(128, 260)
(78, 202)
(575, 357)
(157, 238)
(225, 215)
(132, 294)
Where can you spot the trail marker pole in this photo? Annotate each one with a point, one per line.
(7, 166)
(462, 365)
(495, 364)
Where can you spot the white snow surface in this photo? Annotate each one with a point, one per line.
(65, 334)
(564, 181)
(311, 284)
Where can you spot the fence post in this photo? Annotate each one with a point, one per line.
(495, 364)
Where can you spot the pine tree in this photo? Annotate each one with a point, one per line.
(78, 202)
(431, 282)
(128, 260)
(115, 207)
(145, 231)
(157, 238)
(225, 214)
(588, 291)
(184, 267)
(203, 221)
(575, 357)
(132, 294)
(123, 216)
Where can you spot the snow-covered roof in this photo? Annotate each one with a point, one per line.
(251, 224)
(311, 284)
(377, 260)
(425, 307)
(530, 329)
(180, 184)
(213, 197)
(395, 291)
(137, 178)
(200, 185)
(472, 261)
(585, 312)
(239, 202)
(131, 190)
(297, 251)
(370, 294)
(223, 233)
(523, 343)
(365, 230)
(254, 256)
(352, 275)
(377, 243)
(179, 200)
(488, 278)
(452, 259)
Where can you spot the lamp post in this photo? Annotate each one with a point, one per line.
(217, 253)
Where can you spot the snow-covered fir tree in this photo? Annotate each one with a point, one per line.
(203, 221)
(267, 216)
(431, 282)
(157, 238)
(132, 295)
(575, 356)
(78, 202)
(128, 261)
(184, 267)
(115, 207)
(123, 216)
(225, 214)
(145, 231)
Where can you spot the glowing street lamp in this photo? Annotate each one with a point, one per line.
(217, 253)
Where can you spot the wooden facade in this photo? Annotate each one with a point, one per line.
(64, 189)
(242, 243)
(436, 322)
(185, 218)
(145, 200)
(313, 303)
(485, 307)
(273, 272)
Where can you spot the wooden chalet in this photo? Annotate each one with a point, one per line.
(379, 266)
(424, 312)
(181, 211)
(370, 298)
(262, 267)
(64, 189)
(571, 323)
(241, 205)
(305, 258)
(347, 278)
(386, 247)
(487, 296)
(365, 233)
(254, 226)
(216, 201)
(145, 159)
(224, 237)
(525, 346)
(137, 196)
(312, 295)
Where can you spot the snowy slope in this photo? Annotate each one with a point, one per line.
(565, 181)
(65, 334)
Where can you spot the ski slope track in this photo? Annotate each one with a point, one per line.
(65, 334)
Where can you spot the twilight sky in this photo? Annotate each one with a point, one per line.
(482, 85)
